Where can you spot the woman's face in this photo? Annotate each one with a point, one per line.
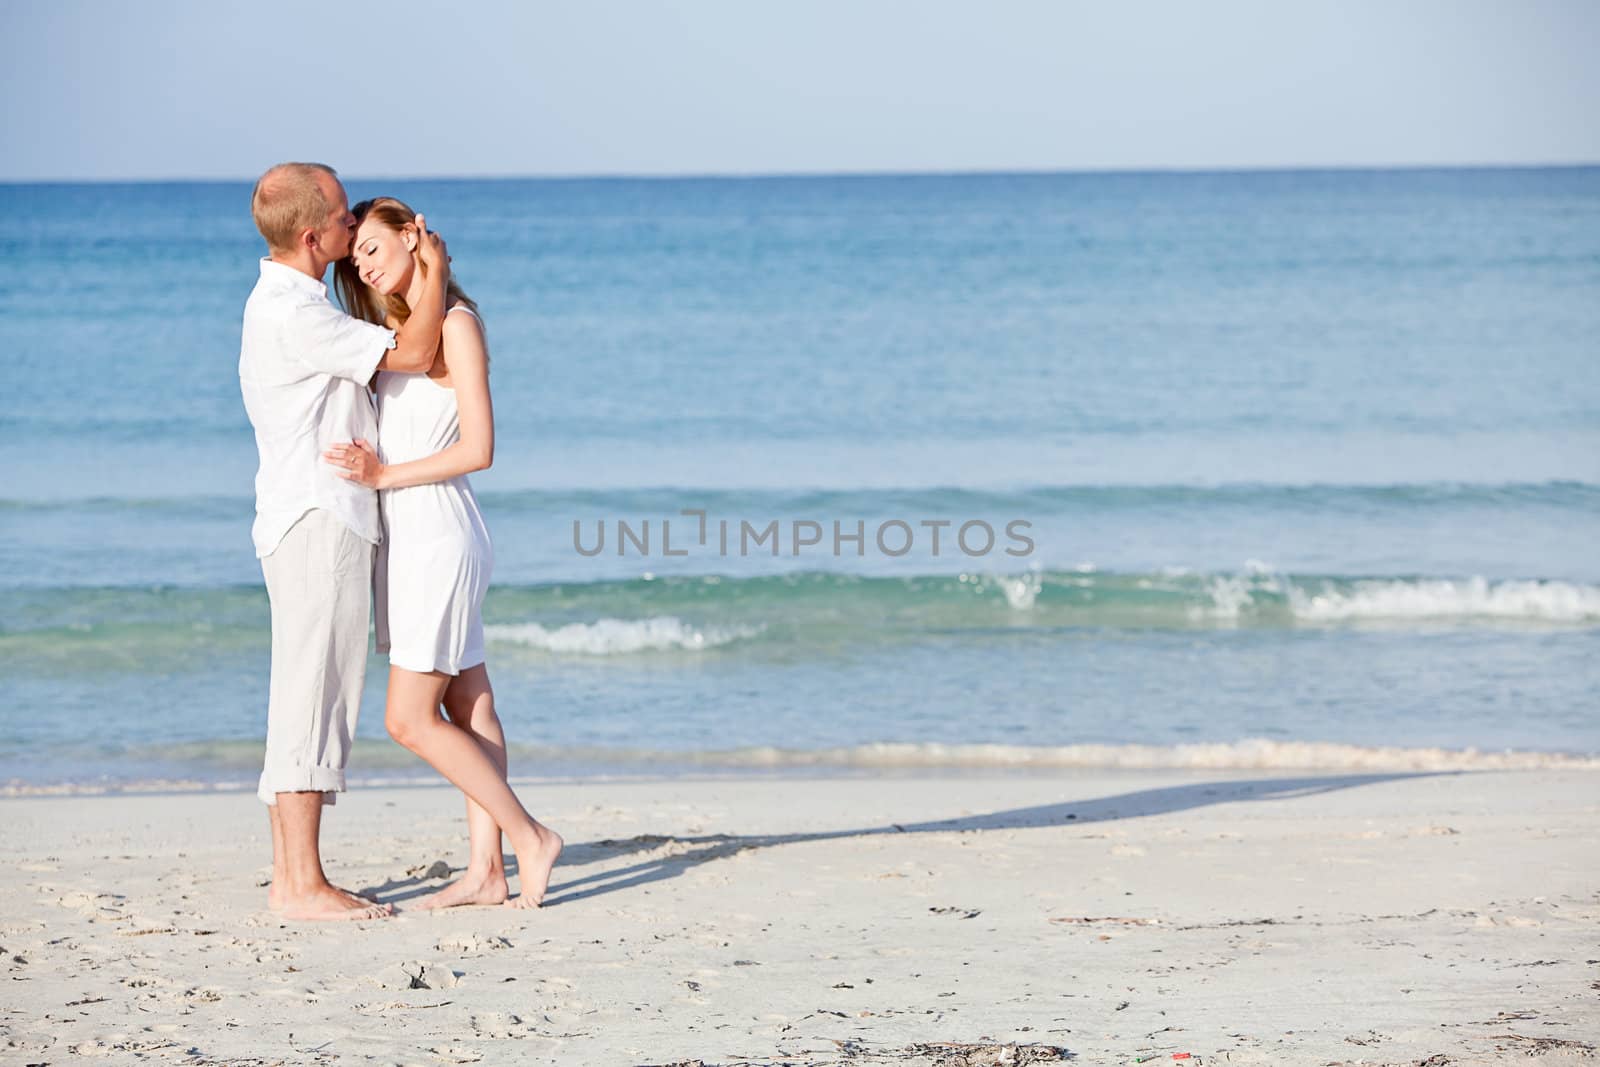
(382, 256)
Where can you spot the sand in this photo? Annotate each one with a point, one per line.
(1242, 917)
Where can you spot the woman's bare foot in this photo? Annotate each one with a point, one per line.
(473, 887)
(326, 902)
(533, 865)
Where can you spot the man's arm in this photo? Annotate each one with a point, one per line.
(468, 362)
(417, 342)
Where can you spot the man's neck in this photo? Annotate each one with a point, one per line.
(302, 261)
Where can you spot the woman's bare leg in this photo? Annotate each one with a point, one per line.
(469, 703)
(413, 719)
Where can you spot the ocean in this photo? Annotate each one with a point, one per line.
(1226, 469)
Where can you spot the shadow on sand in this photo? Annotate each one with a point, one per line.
(688, 852)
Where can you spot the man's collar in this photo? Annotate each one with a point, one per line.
(271, 268)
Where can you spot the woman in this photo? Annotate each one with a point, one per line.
(433, 566)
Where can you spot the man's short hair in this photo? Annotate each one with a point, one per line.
(288, 200)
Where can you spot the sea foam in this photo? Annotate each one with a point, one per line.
(611, 637)
(1248, 754)
(1552, 601)
(1234, 597)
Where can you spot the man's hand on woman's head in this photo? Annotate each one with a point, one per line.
(431, 247)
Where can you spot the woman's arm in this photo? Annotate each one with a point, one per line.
(467, 360)
(417, 341)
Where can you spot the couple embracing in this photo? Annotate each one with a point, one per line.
(367, 421)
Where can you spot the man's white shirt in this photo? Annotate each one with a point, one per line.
(303, 368)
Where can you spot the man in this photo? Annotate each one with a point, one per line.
(303, 368)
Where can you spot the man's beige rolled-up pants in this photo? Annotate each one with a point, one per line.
(319, 581)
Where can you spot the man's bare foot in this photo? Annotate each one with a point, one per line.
(329, 903)
(473, 887)
(533, 867)
(355, 900)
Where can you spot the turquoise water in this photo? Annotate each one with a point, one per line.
(1302, 457)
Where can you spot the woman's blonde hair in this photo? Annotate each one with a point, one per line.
(362, 301)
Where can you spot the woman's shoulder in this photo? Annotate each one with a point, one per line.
(462, 336)
(462, 326)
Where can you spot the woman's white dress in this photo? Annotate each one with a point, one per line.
(433, 566)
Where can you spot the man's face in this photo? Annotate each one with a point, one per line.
(336, 233)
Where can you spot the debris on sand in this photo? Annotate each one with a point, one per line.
(429, 871)
(947, 1054)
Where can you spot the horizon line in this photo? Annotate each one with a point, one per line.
(779, 175)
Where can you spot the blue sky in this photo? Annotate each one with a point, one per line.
(220, 90)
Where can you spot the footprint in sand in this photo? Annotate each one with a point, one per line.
(419, 974)
(120, 1043)
(261, 951)
(472, 944)
(496, 1024)
(25, 1045)
(94, 906)
(567, 1013)
(559, 956)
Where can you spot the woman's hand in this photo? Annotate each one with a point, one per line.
(358, 462)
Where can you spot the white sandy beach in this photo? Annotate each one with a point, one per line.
(1242, 917)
